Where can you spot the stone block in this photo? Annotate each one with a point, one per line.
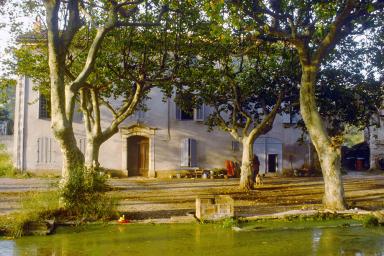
(214, 207)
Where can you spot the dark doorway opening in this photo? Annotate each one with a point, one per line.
(137, 156)
(272, 162)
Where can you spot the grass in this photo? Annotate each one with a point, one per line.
(83, 199)
(6, 166)
(35, 206)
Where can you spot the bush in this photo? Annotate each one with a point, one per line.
(229, 223)
(84, 195)
(6, 167)
(370, 221)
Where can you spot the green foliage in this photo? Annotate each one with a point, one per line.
(370, 221)
(230, 222)
(84, 195)
(35, 206)
(6, 166)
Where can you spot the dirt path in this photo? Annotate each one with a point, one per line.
(12, 189)
(142, 198)
(164, 198)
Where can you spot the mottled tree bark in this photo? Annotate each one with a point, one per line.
(246, 181)
(329, 152)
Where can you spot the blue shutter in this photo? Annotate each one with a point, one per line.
(192, 153)
(188, 152)
(178, 113)
(184, 153)
(199, 113)
(295, 118)
(286, 116)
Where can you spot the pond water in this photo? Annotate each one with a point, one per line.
(199, 239)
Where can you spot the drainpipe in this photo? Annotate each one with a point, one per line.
(169, 119)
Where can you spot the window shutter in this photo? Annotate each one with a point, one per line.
(184, 152)
(178, 113)
(44, 150)
(192, 153)
(38, 150)
(188, 153)
(295, 118)
(199, 113)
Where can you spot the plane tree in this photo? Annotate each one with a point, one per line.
(130, 63)
(314, 28)
(64, 20)
(243, 87)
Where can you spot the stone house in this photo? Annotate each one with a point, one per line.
(151, 143)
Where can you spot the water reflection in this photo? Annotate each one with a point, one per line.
(185, 240)
(7, 247)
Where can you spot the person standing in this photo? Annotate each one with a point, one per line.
(255, 167)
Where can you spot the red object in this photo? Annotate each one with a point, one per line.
(123, 221)
(230, 166)
(359, 164)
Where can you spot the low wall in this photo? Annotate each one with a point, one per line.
(214, 207)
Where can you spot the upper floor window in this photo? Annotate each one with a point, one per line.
(291, 117)
(44, 107)
(197, 114)
(184, 115)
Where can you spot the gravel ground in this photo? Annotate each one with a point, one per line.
(142, 198)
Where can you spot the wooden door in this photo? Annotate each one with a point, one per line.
(143, 157)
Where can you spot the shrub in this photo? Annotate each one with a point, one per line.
(84, 195)
(370, 221)
(6, 167)
(229, 223)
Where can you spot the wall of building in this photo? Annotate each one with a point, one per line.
(37, 150)
(376, 143)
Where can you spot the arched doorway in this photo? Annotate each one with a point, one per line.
(137, 155)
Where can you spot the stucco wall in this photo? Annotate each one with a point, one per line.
(376, 143)
(213, 148)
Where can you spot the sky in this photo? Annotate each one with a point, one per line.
(6, 39)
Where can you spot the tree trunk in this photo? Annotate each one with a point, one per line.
(333, 186)
(246, 181)
(92, 154)
(62, 105)
(329, 154)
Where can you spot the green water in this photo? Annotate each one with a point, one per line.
(195, 239)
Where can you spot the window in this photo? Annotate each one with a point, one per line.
(288, 115)
(188, 153)
(197, 114)
(44, 107)
(184, 115)
(45, 150)
(290, 118)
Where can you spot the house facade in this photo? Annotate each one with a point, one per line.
(151, 143)
(375, 138)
